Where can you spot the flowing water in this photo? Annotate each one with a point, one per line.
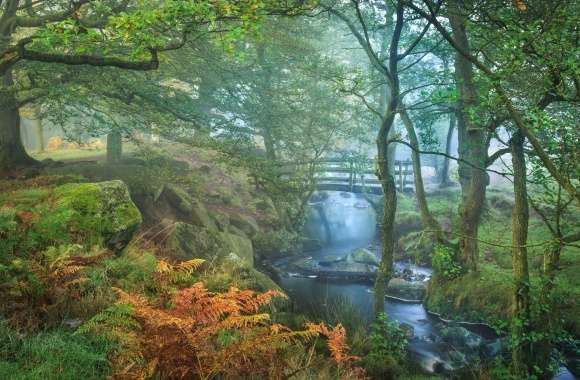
(345, 222)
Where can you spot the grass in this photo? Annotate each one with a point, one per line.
(487, 296)
(55, 355)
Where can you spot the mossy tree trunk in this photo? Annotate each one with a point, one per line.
(522, 355)
(473, 144)
(385, 173)
(114, 147)
(12, 152)
(427, 219)
(444, 178)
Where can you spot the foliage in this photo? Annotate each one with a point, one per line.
(444, 262)
(205, 334)
(388, 344)
(55, 355)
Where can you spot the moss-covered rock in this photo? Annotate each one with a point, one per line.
(239, 245)
(186, 241)
(245, 223)
(83, 213)
(364, 256)
(192, 209)
(408, 290)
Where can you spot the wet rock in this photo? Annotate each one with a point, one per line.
(328, 261)
(363, 256)
(461, 337)
(406, 290)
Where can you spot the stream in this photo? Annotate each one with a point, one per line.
(344, 222)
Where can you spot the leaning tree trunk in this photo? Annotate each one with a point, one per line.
(473, 145)
(12, 152)
(427, 219)
(114, 147)
(522, 355)
(444, 178)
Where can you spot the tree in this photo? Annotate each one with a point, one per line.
(122, 34)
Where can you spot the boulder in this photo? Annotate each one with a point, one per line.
(364, 256)
(245, 223)
(239, 245)
(461, 337)
(247, 277)
(99, 210)
(407, 290)
(186, 241)
(192, 209)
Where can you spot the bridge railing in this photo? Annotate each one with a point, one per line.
(350, 174)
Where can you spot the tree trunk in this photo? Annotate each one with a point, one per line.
(444, 178)
(522, 356)
(114, 147)
(385, 270)
(427, 219)
(473, 146)
(12, 152)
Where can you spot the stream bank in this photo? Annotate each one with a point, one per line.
(346, 223)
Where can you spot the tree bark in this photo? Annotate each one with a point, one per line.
(444, 178)
(385, 270)
(114, 147)
(427, 219)
(522, 355)
(12, 152)
(473, 146)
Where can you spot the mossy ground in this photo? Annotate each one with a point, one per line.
(487, 295)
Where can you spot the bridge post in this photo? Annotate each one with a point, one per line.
(401, 180)
(351, 175)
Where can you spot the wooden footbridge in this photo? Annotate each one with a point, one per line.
(351, 175)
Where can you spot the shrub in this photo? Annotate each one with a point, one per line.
(207, 334)
(444, 263)
(388, 345)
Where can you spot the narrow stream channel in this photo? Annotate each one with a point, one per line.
(345, 222)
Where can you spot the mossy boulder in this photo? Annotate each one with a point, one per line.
(83, 213)
(236, 272)
(245, 223)
(191, 209)
(239, 245)
(364, 256)
(186, 241)
(408, 290)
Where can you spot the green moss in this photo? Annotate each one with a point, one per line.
(85, 213)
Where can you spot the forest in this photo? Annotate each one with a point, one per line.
(289, 189)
